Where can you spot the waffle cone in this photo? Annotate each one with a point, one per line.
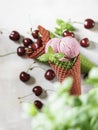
(37, 53)
(74, 72)
(45, 36)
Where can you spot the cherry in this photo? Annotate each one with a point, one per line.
(30, 46)
(21, 51)
(37, 90)
(36, 45)
(84, 42)
(35, 34)
(24, 76)
(38, 104)
(89, 23)
(49, 74)
(27, 42)
(67, 33)
(15, 36)
(39, 41)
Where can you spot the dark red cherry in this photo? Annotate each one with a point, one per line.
(35, 34)
(89, 23)
(27, 42)
(30, 46)
(39, 41)
(37, 90)
(15, 36)
(84, 42)
(36, 45)
(38, 104)
(24, 76)
(21, 51)
(67, 33)
(49, 75)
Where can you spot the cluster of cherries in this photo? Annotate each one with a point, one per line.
(88, 24)
(29, 46)
(38, 91)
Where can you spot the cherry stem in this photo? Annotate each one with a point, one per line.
(37, 67)
(25, 96)
(50, 90)
(32, 93)
(31, 68)
(10, 53)
(25, 101)
(77, 22)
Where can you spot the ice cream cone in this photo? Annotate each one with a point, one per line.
(45, 36)
(74, 72)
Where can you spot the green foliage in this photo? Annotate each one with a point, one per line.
(62, 26)
(86, 64)
(50, 56)
(66, 112)
(52, 35)
(93, 77)
(30, 109)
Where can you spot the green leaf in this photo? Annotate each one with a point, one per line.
(58, 31)
(93, 77)
(63, 26)
(86, 64)
(69, 27)
(44, 58)
(59, 55)
(93, 82)
(51, 58)
(50, 50)
(59, 21)
(52, 35)
(30, 109)
(93, 73)
(65, 86)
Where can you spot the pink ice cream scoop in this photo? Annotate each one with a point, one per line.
(69, 46)
(53, 43)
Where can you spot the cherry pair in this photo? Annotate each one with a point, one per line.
(49, 75)
(37, 90)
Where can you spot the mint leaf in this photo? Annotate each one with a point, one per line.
(63, 26)
(50, 50)
(59, 55)
(51, 58)
(58, 31)
(69, 27)
(59, 21)
(52, 35)
(44, 58)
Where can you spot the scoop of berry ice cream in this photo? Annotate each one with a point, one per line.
(69, 46)
(53, 43)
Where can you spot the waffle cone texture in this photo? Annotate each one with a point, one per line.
(74, 72)
(45, 38)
